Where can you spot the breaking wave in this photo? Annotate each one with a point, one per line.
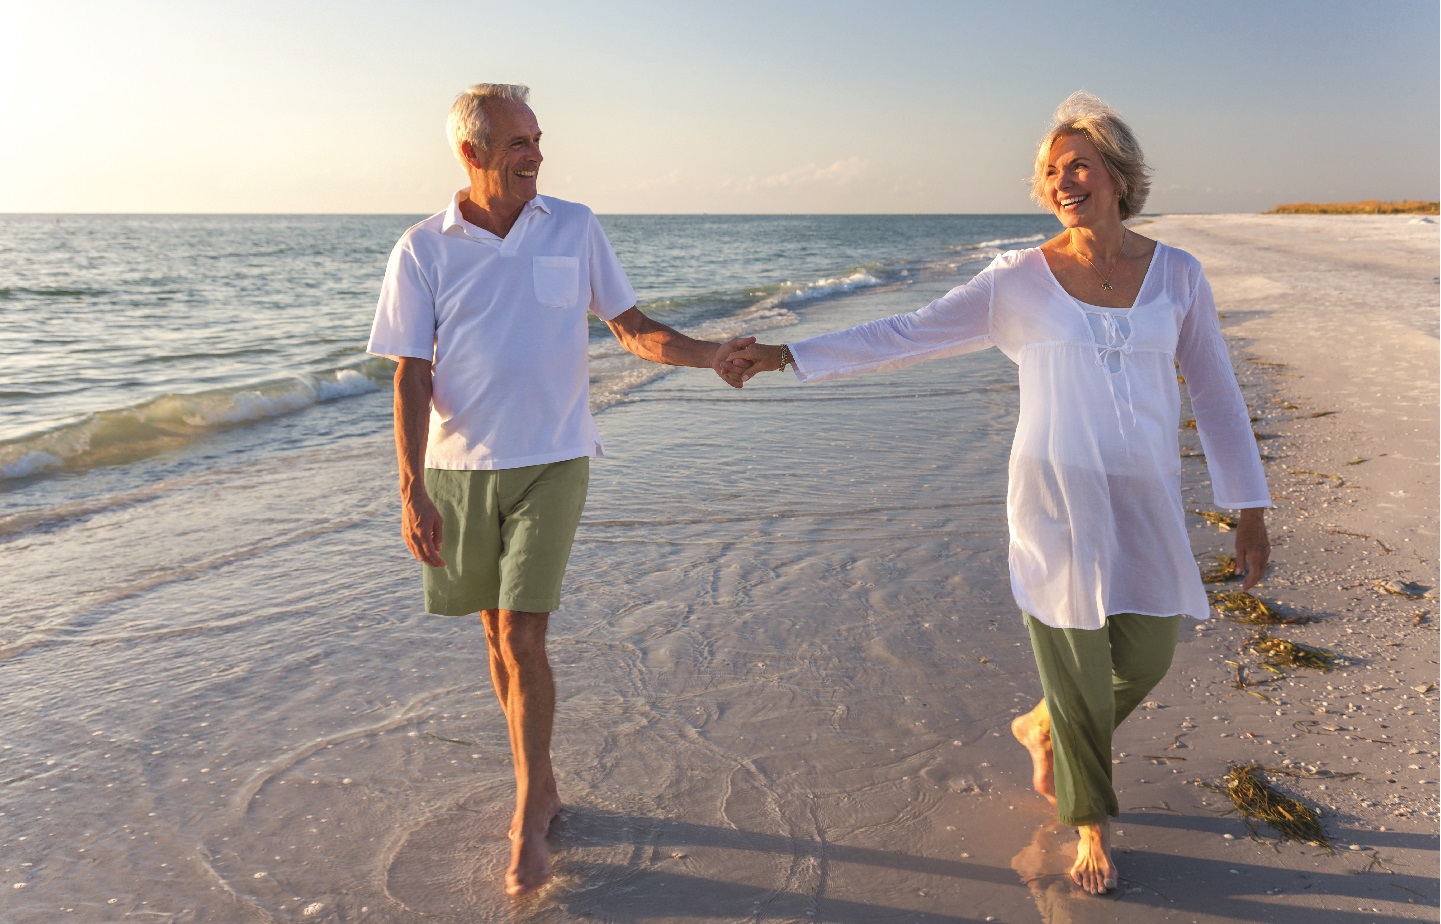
(126, 434)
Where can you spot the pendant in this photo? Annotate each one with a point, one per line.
(1106, 286)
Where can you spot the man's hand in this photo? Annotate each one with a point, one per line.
(420, 527)
(1253, 547)
(726, 366)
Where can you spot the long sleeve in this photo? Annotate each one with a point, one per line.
(957, 322)
(1237, 478)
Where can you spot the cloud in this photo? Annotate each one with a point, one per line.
(839, 173)
(657, 182)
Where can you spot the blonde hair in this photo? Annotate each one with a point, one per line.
(468, 120)
(1084, 114)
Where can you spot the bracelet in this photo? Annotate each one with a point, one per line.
(786, 358)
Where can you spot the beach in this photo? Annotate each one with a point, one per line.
(787, 658)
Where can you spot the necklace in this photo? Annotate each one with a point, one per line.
(1106, 279)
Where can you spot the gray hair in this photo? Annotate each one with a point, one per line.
(468, 120)
(1084, 114)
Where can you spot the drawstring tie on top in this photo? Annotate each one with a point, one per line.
(1115, 346)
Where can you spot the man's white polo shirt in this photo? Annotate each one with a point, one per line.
(504, 322)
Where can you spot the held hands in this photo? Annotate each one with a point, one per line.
(740, 359)
(1253, 548)
(724, 364)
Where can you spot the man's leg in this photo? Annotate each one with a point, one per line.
(500, 678)
(525, 687)
(540, 509)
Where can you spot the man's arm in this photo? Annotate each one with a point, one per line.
(649, 339)
(419, 520)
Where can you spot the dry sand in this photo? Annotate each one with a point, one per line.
(1333, 326)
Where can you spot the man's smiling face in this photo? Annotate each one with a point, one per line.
(505, 173)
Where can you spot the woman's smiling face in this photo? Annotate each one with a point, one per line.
(1079, 188)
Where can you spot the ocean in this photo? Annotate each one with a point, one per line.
(223, 703)
(131, 337)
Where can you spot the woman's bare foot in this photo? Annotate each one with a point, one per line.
(1033, 730)
(1094, 869)
(529, 858)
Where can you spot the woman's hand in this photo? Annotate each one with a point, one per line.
(758, 357)
(1253, 548)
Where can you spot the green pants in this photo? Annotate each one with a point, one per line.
(1093, 679)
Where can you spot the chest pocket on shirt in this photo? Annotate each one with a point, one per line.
(557, 281)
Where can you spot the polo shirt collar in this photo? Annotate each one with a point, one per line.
(455, 223)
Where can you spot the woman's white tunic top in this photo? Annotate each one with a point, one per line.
(1094, 505)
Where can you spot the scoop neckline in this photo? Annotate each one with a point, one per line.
(1145, 281)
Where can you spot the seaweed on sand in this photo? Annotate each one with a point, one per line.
(1218, 520)
(1242, 607)
(1257, 800)
(1277, 652)
(1224, 569)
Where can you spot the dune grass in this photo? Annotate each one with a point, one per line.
(1365, 207)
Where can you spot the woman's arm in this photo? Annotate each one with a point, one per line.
(1238, 480)
(957, 322)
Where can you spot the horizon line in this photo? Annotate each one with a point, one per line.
(17, 214)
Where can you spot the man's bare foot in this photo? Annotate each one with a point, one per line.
(529, 860)
(1094, 869)
(552, 810)
(529, 853)
(1033, 730)
(551, 801)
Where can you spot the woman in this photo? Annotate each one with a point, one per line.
(1096, 319)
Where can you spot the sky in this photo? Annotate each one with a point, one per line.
(724, 106)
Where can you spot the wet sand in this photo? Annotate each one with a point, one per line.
(787, 660)
(834, 642)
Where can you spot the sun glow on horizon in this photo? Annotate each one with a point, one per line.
(743, 106)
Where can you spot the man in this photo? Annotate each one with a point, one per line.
(484, 308)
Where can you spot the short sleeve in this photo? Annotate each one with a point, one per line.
(957, 322)
(405, 314)
(1238, 481)
(610, 290)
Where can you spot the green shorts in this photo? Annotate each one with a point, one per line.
(505, 536)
